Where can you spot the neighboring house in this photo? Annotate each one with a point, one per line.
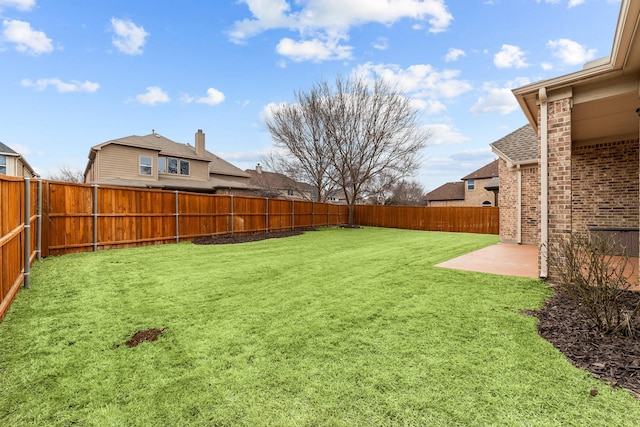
(153, 161)
(277, 185)
(479, 188)
(588, 138)
(449, 194)
(519, 186)
(13, 164)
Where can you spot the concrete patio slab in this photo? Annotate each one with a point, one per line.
(502, 258)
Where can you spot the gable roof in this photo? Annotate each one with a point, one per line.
(448, 191)
(166, 147)
(519, 147)
(7, 150)
(276, 180)
(487, 171)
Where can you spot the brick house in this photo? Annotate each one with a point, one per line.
(587, 137)
(13, 164)
(153, 161)
(479, 188)
(277, 185)
(519, 198)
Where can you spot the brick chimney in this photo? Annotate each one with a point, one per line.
(200, 143)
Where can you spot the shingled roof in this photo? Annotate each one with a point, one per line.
(519, 147)
(448, 191)
(487, 171)
(6, 150)
(166, 147)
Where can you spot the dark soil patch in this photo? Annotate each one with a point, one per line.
(226, 239)
(144, 335)
(615, 359)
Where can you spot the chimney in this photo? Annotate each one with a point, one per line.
(200, 143)
(258, 168)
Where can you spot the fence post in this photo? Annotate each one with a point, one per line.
(232, 219)
(293, 214)
(266, 220)
(95, 217)
(27, 231)
(313, 214)
(177, 217)
(39, 210)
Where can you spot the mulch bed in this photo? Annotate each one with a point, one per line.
(226, 239)
(615, 359)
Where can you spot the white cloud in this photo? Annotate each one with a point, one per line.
(322, 19)
(510, 57)
(214, 97)
(417, 81)
(454, 54)
(570, 52)
(60, 86)
(445, 134)
(496, 100)
(381, 43)
(547, 66)
(129, 37)
(17, 4)
(429, 106)
(154, 95)
(313, 50)
(25, 38)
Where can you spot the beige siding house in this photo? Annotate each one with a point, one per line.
(587, 141)
(13, 164)
(153, 161)
(479, 188)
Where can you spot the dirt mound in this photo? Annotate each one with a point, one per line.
(144, 335)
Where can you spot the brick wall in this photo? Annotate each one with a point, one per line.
(530, 204)
(605, 185)
(478, 195)
(559, 139)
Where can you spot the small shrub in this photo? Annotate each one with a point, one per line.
(593, 274)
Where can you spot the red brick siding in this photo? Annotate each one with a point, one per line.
(605, 185)
(530, 204)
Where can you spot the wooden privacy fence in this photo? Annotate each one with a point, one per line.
(81, 217)
(482, 220)
(18, 200)
(45, 218)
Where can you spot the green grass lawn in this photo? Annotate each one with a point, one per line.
(344, 327)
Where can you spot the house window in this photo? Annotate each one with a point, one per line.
(173, 166)
(3, 164)
(145, 165)
(184, 167)
(290, 192)
(471, 184)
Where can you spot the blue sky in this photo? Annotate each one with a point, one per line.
(77, 73)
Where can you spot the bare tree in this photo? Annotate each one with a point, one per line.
(68, 174)
(406, 193)
(297, 130)
(349, 134)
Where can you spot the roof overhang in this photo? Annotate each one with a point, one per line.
(605, 93)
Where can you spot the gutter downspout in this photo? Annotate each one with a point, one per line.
(519, 206)
(544, 184)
